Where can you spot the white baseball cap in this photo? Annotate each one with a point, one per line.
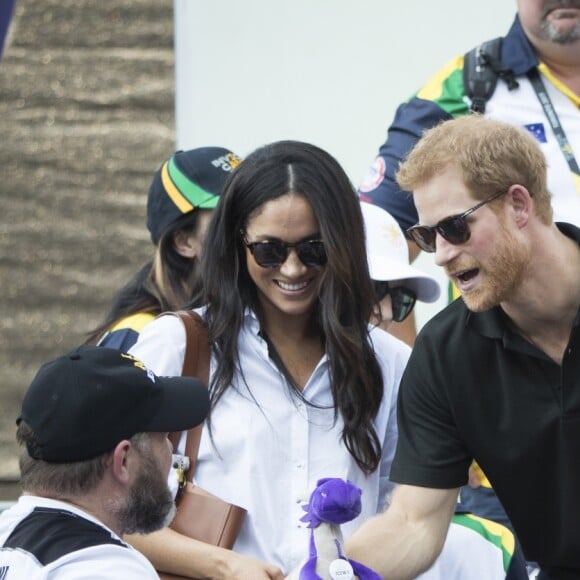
(388, 254)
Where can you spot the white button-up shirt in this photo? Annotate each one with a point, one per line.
(269, 448)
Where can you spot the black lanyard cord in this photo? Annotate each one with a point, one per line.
(553, 119)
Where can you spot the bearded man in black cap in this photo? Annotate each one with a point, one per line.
(94, 465)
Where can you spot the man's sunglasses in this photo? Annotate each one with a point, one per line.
(454, 229)
(402, 299)
(273, 253)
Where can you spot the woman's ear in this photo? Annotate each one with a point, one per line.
(186, 243)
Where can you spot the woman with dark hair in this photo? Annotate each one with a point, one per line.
(184, 191)
(302, 387)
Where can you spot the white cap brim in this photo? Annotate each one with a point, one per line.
(425, 286)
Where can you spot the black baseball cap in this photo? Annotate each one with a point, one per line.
(186, 181)
(82, 404)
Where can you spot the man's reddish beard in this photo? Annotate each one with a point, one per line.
(500, 277)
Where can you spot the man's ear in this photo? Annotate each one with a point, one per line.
(521, 204)
(121, 461)
(186, 243)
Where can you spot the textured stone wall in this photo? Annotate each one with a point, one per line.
(86, 117)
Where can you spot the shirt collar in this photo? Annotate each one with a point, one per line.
(517, 52)
(494, 323)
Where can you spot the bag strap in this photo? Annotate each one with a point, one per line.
(481, 68)
(195, 364)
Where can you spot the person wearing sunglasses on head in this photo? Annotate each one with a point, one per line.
(302, 386)
(495, 376)
(397, 284)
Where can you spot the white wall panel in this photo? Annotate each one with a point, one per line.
(330, 72)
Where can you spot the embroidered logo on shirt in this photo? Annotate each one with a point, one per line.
(538, 131)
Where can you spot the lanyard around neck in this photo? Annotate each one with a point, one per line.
(553, 119)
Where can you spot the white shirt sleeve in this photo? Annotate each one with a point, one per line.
(104, 563)
(161, 346)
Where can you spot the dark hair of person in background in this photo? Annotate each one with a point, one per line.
(167, 282)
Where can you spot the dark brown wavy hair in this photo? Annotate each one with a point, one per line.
(346, 293)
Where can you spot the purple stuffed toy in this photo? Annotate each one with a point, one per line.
(333, 502)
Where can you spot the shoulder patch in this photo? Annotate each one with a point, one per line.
(374, 176)
(48, 534)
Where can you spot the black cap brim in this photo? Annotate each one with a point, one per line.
(184, 405)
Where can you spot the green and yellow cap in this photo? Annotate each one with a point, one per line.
(186, 181)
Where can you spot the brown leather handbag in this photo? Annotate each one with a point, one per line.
(200, 514)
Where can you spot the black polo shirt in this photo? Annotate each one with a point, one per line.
(473, 389)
